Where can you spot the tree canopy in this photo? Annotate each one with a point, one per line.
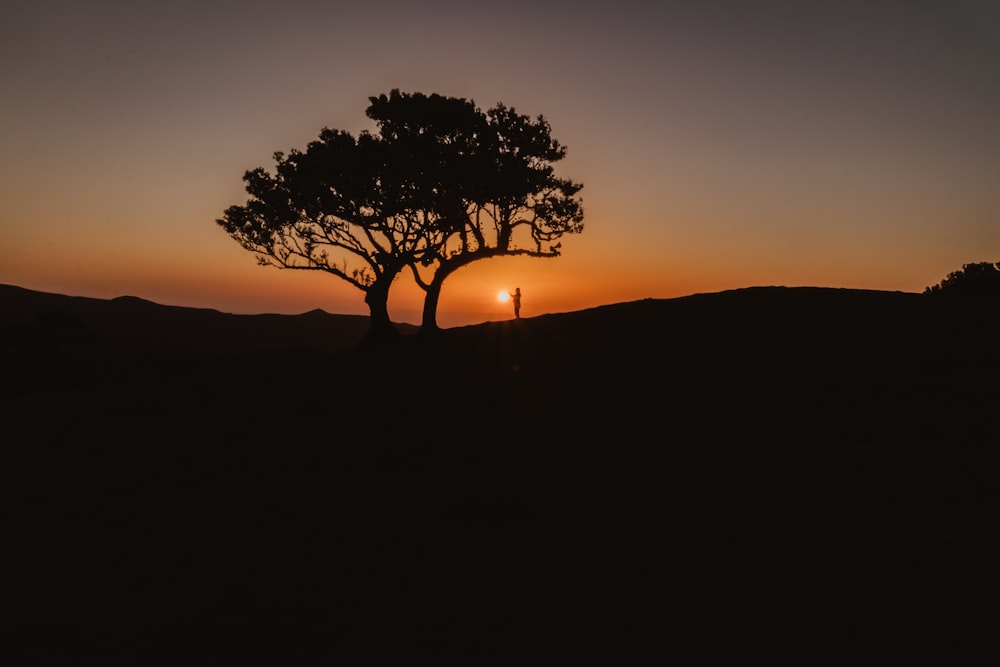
(502, 197)
(975, 279)
(439, 184)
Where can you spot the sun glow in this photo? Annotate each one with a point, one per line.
(503, 295)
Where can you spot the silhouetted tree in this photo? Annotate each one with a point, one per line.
(355, 208)
(977, 279)
(498, 195)
(439, 185)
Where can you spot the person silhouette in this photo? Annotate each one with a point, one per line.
(515, 297)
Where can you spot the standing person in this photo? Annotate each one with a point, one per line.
(516, 298)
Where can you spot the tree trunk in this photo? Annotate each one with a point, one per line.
(381, 328)
(428, 321)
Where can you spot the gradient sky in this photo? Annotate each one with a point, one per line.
(721, 144)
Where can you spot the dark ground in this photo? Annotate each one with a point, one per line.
(797, 476)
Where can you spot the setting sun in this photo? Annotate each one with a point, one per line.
(502, 295)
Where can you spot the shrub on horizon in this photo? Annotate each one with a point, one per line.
(976, 279)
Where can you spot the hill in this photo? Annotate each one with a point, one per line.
(780, 475)
(130, 328)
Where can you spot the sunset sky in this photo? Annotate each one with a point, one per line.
(721, 144)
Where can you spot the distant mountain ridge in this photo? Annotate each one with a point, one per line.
(130, 327)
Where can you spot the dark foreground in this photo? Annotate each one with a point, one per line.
(773, 476)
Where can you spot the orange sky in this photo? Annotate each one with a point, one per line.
(721, 145)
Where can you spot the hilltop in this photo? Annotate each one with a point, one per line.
(780, 475)
(132, 328)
